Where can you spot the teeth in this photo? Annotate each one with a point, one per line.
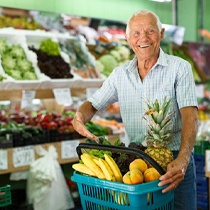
(143, 46)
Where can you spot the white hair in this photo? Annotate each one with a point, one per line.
(143, 12)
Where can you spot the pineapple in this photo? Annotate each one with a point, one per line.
(159, 133)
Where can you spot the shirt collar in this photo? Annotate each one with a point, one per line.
(161, 61)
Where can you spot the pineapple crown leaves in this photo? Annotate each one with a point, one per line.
(158, 122)
(158, 111)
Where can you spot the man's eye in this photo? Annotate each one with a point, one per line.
(136, 33)
(150, 31)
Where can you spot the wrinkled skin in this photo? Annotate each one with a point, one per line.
(144, 38)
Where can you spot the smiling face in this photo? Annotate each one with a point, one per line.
(144, 36)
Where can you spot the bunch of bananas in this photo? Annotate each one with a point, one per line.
(120, 197)
(103, 168)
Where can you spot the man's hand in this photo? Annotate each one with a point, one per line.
(174, 175)
(81, 128)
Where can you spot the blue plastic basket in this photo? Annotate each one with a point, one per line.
(98, 194)
(5, 196)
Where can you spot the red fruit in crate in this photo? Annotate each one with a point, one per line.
(60, 121)
(3, 118)
(66, 129)
(39, 117)
(43, 125)
(52, 125)
(30, 121)
(17, 117)
(69, 119)
(48, 118)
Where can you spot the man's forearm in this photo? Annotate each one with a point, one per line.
(189, 131)
(86, 111)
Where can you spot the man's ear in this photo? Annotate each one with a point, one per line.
(127, 39)
(162, 33)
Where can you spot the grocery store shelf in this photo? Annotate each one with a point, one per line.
(58, 145)
(44, 90)
(11, 167)
(52, 83)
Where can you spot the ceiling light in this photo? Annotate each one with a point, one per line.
(161, 0)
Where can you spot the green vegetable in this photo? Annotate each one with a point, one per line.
(96, 129)
(117, 142)
(121, 53)
(15, 63)
(90, 141)
(28, 75)
(24, 64)
(99, 153)
(68, 113)
(96, 152)
(3, 45)
(50, 47)
(109, 63)
(16, 51)
(8, 62)
(99, 66)
(104, 141)
(2, 78)
(14, 74)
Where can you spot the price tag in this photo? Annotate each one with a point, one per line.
(68, 149)
(63, 96)
(3, 160)
(200, 91)
(23, 156)
(27, 98)
(90, 92)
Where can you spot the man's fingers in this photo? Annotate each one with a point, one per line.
(82, 130)
(170, 187)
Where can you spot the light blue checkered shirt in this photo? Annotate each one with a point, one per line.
(171, 76)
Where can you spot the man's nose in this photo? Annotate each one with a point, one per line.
(143, 35)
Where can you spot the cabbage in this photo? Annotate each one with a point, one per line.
(3, 45)
(121, 53)
(109, 63)
(99, 66)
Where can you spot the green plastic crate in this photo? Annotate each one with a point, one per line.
(5, 196)
(200, 147)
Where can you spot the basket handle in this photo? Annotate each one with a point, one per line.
(127, 150)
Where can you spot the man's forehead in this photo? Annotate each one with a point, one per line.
(144, 23)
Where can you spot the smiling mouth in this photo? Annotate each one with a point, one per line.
(144, 46)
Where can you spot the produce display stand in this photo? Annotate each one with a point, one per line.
(11, 168)
(101, 194)
(5, 196)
